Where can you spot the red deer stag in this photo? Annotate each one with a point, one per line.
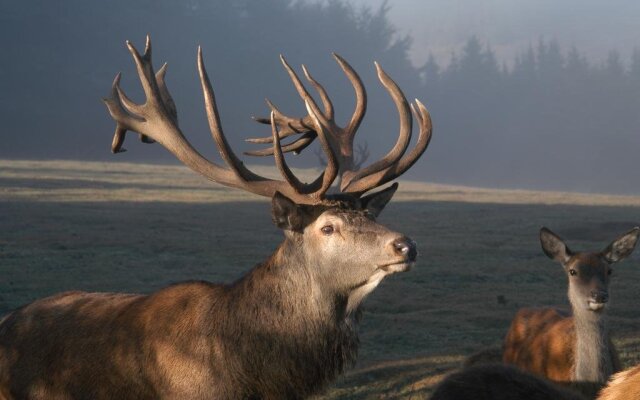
(571, 348)
(284, 330)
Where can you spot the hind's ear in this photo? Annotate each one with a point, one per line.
(286, 214)
(375, 202)
(553, 246)
(621, 247)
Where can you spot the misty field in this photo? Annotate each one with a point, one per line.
(136, 228)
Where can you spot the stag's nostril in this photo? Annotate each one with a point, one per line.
(405, 247)
(401, 247)
(599, 296)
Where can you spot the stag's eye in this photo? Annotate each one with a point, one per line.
(327, 230)
(573, 272)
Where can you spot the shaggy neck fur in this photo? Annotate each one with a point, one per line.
(593, 361)
(295, 335)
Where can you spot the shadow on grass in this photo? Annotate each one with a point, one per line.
(399, 379)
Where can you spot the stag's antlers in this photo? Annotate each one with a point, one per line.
(157, 120)
(353, 180)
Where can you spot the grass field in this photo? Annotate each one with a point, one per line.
(135, 228)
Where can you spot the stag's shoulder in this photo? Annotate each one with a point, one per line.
(188, 291)
(191, 302)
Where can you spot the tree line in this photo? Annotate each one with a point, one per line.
(548, 119)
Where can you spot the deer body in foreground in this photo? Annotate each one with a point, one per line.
(624, 385)
(576, 347)
(499, 382)
(284, 330)
(504, 382)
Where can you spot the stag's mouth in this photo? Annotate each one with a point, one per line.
(361, 290)
(394, 267)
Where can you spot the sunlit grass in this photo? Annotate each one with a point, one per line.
(71, 181)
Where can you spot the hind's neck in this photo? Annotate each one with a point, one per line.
(593, 361)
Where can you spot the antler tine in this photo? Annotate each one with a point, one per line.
(147, 48)
(167, 100)
(118, 140)
(164, 93)
(331, 170)
(319, 187)
(280, 161)
(296, 146)
(133, 109)
(302, 143)
(125, 120)
(288, 126)
(404, 136)
(215, 127)
(304, 95)
(381, 177)
(361, 95)
(145, 71)
(291, 126)
(326, 101)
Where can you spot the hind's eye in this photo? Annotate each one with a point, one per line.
(609, 272)
(573, 272)
(327, 230)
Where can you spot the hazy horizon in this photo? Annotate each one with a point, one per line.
(509, 26)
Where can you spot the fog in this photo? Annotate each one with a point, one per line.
(442, 27)
(523, 94)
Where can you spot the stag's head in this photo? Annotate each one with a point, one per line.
(336, 231)
(349, 252)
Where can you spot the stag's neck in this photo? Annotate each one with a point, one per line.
(285, 293)
(593, 362)
(286, 322)
(285, 284)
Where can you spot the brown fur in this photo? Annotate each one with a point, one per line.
(541, 341)
(623, 386)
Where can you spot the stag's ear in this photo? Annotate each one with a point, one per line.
(375, 202)
(553, 246)
(286, 214)
(622, 246)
